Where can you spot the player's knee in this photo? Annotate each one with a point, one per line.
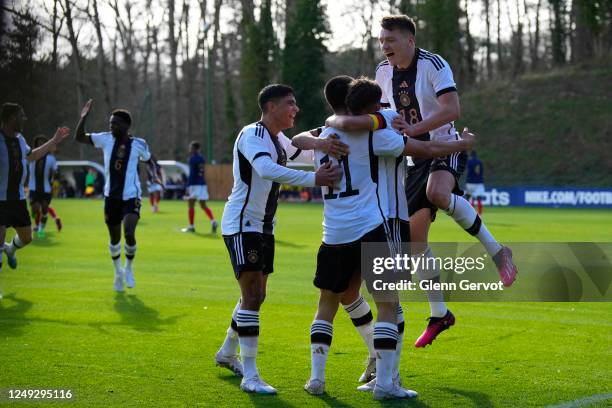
(130, 239)
(440, 199)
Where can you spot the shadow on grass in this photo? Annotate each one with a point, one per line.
(478, 398)
(207, 235)
(12, 318)
(258, 400)
(286, 244)
(47, 241)
(135, 313)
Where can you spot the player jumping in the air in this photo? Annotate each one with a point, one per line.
(361, 211)
(14, 155)
(197, 188)
(420, 86)
(42, 172)
(122, 190)
(260, 156)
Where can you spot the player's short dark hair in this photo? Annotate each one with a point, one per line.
(123, 114)
(336, 90)
(399, 22)
(9, 110)
(362, 93)
(195, 145)
(40, 140)
(272, 93)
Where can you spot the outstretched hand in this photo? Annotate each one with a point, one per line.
(60, 134)
(469, 138)
(86, 109)
(334, 147)
(328, 175)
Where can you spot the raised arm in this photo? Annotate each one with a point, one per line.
(267, 169)
(80, 135)
(348, 122)
(310, 141)
(434, 148)
(60, 134)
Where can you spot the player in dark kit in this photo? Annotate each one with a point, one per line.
(197, 188)
(14, 155)
(122, 190)
(474, 182)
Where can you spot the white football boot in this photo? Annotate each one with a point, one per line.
(118, 285)
(232, 363)
(256, 385)
(315, 387)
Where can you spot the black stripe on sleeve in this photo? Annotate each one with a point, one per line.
(261, 154)
(296, 154)
(446, 90)
(385, 104)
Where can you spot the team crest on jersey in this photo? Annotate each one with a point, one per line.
(253, 256)
(404, 98)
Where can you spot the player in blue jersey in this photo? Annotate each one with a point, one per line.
(474, 182)
(197, 188)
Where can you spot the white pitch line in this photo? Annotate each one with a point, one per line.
(582, 402)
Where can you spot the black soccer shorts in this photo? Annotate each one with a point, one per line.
(250, 252)
(42, 198)
(418, 174)
(115, 210)
(14, 213)
(336, 264)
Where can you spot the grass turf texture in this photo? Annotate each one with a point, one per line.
(63, 326)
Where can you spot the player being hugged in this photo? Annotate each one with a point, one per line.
(122, 190)
(197, 188)
(14, 156)
(260, 157)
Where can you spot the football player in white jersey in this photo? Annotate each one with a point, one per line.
(359, 210)
(41, 173)
(122, 190)
(14, 156)
(260, 155)
(420, 86)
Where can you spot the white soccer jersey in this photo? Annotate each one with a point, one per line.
(13, 166)
(122, 181)
(414, 92)
(395, 171)
(259, 161)
(41, 172)
(360, 204)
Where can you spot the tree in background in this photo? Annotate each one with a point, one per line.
(259, 58)
(303, 65)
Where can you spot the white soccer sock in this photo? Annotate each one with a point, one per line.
(247, 322)
(321, 332)
(385, 341)
(400, 340)
(361, 315)
(115, 253)
(466, 216)
(130, 253)
(230, 344)
(14, 245)
(434, 296)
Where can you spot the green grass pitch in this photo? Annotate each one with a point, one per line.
(63, 326)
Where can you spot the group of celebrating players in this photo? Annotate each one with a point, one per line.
(370, 195)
